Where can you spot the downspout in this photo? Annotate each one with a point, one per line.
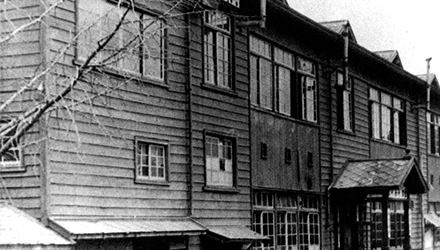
(263, 5)
(428, 91)
(428, 108)
(428, 104)
(43, 128)
(331, 202)
(420, 196)
(190, 128)
(345, 64)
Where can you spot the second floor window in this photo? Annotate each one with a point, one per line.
(433, 133)
(282, 82)
(388, 120)
(345, 103)
(138, 47)
(217, 49)
(219, 161)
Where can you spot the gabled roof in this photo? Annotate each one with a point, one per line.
(339, 26)
(432, 79)
(391, 56)
(381, 175)
(20, 229)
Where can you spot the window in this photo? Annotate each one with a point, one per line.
(10, 160)
(308, 86)
(345, 103)
(310, 160)
(433, 133)
(151, 161)
(290, 221)
(138, 46)
(236, 3)
(219, 156)
(281, 82)
(376, 225)
(217, 49)
(397, 224)
(387, 117)
(263, 150)
(288, 155)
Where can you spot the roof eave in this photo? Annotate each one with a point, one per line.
(361, 50)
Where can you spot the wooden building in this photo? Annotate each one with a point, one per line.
(318, 102)
(151, 147)
(230, 124)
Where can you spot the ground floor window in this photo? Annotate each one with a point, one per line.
(291, 221)
(374, 228)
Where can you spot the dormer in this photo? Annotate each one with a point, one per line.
(391, 56)
(432, 79)
(339, 26)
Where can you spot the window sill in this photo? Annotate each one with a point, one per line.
(388, 143)
(346, 132)
(152, 182)
(225, 91)
(11, 168)
(287, 117)
(128, 75)
(219, 189)
(433, 155)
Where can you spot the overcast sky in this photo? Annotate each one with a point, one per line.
(409, 26)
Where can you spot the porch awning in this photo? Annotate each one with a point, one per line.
(126, 228)
(432, 219)
(19, 230)
(234, 234)
(381, 175)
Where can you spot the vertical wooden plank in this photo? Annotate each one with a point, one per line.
(406, 242)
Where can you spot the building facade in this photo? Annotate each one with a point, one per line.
(209, 125)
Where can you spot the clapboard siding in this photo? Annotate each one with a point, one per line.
(20, 57)
(92, 144)
(225, 114)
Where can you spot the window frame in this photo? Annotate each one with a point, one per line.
(118, 70)
(376, 102)
(209, 186)
(274, 59)
(207, 27)
(346, 109)
(280, 205)
(396, 227)
(141, 179)
(433, 133)
(12, 166)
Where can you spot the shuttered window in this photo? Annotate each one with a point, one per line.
(219, 160)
